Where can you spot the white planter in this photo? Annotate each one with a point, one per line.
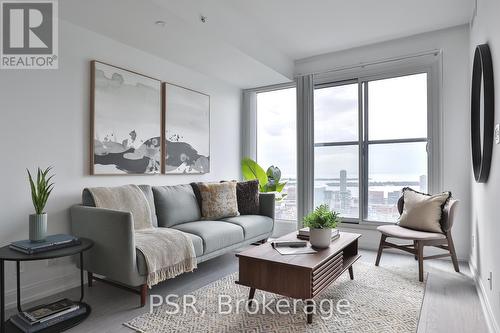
(320, 238)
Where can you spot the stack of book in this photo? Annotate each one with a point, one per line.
(43, 316)
(304, 234)
(52, 242)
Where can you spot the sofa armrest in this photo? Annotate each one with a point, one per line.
(266, 204)
(113, 254)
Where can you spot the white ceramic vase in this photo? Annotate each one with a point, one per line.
(320, 238)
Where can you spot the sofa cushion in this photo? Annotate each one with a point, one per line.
(88, 200)
(216, 235)
(253, 225)
(175, 204)
(141, 261)
(247, 194)
(218, 200)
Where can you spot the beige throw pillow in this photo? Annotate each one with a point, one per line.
(422, 211)
(218, 200)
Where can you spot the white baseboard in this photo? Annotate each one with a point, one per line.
(42, 289)
(485, 303)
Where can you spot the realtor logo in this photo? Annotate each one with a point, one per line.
(29, 34)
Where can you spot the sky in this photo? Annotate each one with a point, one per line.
(397, 110)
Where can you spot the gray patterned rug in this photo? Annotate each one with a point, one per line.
(380, 299)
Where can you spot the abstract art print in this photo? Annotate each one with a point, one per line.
(126, 121)
(187, 130)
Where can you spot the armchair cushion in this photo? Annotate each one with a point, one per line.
(422, 211)
(404, 233)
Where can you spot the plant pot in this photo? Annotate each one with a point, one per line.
(320, 238)
(38, 227)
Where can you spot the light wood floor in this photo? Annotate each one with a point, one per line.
(450, 304)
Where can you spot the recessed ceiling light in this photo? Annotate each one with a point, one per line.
(160, 23)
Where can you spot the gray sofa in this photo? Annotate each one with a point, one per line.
(114, 256)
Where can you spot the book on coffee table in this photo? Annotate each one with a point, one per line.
(304, 234)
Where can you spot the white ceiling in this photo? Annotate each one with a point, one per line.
(251, 43)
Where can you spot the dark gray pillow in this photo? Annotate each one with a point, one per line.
(88, 200)
(248, 197)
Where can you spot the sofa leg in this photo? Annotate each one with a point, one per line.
(90, 279)
(144, 294)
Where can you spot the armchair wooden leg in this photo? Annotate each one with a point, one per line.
(420, 255)
(415, 246)
(90, 279)
(144, 294)
(380, 249)
(451, 246)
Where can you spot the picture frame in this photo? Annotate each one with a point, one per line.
(186, 130)
(127, 114)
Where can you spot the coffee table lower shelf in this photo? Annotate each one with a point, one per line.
(59, 327)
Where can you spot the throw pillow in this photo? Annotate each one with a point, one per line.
(218, 200)
(247, 194)
(423, 211)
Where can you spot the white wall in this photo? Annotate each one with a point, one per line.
(44, 120)
(454, 43)
(485, 197)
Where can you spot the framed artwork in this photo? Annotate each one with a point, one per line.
(187, 130)
(126, 121)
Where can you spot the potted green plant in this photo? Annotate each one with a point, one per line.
(269, 181)
(321, 221)
(40, 192)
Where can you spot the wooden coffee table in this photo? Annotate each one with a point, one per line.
(300, 276)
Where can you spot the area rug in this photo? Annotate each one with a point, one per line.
(379, 299)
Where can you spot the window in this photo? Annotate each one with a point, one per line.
(276, 143)
(336, 148)
(370, 142)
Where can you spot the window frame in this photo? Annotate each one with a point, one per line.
(362, 78)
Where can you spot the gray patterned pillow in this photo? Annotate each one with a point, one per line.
(218, 200)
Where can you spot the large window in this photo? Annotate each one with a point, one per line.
(370, 141)
(277, 141)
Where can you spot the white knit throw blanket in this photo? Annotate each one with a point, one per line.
(168, 252)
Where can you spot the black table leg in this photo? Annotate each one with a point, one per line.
(81, 277)
(18, 285)
(2, 297)
(351, 273)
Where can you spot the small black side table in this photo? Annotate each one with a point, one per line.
(6, 254)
